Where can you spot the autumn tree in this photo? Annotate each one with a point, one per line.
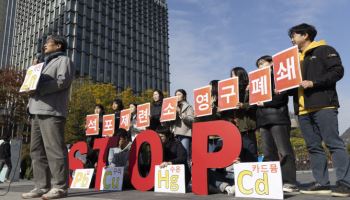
(85, 95)
(13, 104)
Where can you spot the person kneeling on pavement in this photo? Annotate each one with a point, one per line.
(173, 151)
(121, 159)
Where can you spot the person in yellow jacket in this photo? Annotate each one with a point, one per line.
(317, 107)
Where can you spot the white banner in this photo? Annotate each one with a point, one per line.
(82, 178)
(112, 178)
(258, 180)
(32, 77)
(170, 179)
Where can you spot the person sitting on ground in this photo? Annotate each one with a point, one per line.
(117, 149)
(121, 159)
(173, 151)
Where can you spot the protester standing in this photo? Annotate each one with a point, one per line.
(182, 126)
(48, 109)
(117, 107)
(316, 104)
(273, 122)
(156, 109)
(245, 117)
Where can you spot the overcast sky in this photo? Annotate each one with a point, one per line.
(209, 37)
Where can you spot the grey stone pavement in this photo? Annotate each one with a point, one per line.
(304, 178)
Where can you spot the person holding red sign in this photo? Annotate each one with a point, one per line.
(92, 155)
(245, 117)
(182, 126)
(117, 107)
(134, 130)
(156, 109)
(317, 106)
(214, 141)
(273, 121)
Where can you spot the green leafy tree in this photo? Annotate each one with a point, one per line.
(85, 95)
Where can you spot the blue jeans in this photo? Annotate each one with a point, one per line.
(214, 144)
(321, 126)
(186, 142)
(218, 179)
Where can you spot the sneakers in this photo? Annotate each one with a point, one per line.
(230, 190)
(35, 193)
(55, 193)
(290, 188)
(341, 190)
(317, 189)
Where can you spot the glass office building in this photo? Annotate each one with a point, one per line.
(7, 16)
(124, 42)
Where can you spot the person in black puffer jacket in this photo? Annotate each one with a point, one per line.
(274, 124)
(156, 109)
(117, 107)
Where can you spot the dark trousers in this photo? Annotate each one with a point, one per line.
(8, 163)
(321, 126)
(49, 152)
(249, 151)
(219, 179)
(276, 146)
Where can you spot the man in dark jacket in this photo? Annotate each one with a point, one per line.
(317, 106)
(173, 151)
(5, 157)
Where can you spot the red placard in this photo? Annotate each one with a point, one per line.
(228, 94)
(92, 125)
(260, 86)
(286, 69)
(202, 101)
(143, 112)
(108, 125)
(125, 116)
(168, 109)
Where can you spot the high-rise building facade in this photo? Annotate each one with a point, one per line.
(124, 42)
(7, 16)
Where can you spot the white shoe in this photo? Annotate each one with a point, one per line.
(35, 193)
(55, 193)
(230, 190)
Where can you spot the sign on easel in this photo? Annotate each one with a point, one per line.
(258, 180)
(170, 179)
(82, 178)
(32, 77)
(112, 178)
